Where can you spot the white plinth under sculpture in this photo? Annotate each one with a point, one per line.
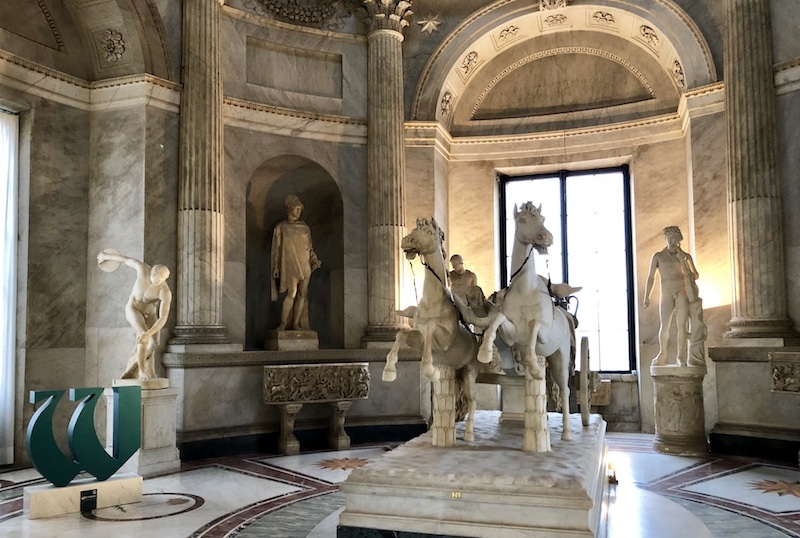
(158, 454)
(680, 415)
(486, 488)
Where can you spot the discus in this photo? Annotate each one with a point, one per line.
(109, 266)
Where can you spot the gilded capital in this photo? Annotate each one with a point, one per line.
(386, 14)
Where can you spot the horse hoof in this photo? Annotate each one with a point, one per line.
(389, 376)
(566, 436)
(469, 437)
(484, 358)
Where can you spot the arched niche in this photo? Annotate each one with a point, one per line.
(267, 189)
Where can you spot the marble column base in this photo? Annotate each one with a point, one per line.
(292, 340)
(762, 328)
(158, 454)
(679, 410)
(337, 437)
(50, 501)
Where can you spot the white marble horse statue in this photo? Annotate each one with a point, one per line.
(526, 319)
(447, 346)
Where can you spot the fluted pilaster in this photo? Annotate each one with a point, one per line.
(386, 164)
(754, 200)
(200, 192)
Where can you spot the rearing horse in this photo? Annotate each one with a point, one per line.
(526, 317)
(436, 328)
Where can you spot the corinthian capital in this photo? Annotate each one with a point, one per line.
(387, 14)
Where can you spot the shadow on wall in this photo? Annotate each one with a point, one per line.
(322, 201)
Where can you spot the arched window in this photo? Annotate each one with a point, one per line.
(588, 213)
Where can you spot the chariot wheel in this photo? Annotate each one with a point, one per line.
(584, 390)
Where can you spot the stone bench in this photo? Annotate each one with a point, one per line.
(336, 384)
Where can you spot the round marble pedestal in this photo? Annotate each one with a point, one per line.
(680, 417)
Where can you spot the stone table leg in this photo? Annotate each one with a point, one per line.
(337, 437)
(288, 443)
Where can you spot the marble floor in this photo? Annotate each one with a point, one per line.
(657, 496)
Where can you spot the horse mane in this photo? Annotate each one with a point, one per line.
(529, 209)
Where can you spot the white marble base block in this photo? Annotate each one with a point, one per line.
(50, 501)
(158, 453)
(486, 488)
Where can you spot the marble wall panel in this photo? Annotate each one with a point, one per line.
(752, 402)
(788, 114)
(785, 28)
(708, 239)
(261, 60)
(49, 369)
(59, 187)
(472, 220)
(660, 198)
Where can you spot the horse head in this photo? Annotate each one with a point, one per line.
(426, 239)
(530, 227)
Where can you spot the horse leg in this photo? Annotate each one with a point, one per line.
(427, 354)
(531, 360)
(561, 366)
(486, 350)
(390, 369)
(468, 377)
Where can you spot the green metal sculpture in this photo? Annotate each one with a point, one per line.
(88, 453)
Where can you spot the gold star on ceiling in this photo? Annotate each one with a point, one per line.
(429, 24)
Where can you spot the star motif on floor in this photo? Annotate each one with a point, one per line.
(430, 25)
(780, 487)
(342, 464)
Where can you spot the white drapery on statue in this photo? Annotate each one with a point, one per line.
(9, 129)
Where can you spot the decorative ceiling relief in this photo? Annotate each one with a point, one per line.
(677, 73)
(546, 5)
(507, 35)
(429, 24)
(305, 12)
(603, 17)
(112, 45)
(648, 35)
(446, 104)
(469, 63)
(555, 20)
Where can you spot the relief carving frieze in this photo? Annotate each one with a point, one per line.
(315, 383)
(785, 376)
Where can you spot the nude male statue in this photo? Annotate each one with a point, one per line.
(293, 261)
(677, 274)
(147, 311)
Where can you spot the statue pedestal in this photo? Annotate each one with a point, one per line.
(158, 454)
(485, 488)
(679, 412)
(292, 340)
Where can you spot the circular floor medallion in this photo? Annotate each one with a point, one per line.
(153, 506)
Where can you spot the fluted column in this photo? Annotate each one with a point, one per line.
(754, 199)
(200, 191)
(386, 166)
